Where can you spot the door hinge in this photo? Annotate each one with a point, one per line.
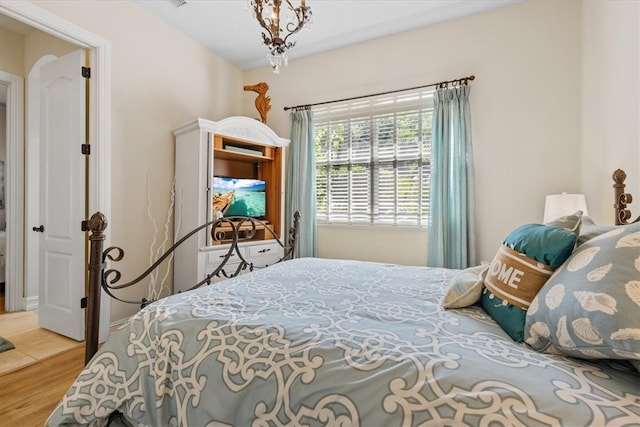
(84, 225)
(86, 149)
(86, 72)
(84, 302)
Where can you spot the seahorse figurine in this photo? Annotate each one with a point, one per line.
(263, 103)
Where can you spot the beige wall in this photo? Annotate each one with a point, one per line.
(160, 80)
(525, 108)
(18, 53)
(38, 44)
(12, 53)
(611, 102)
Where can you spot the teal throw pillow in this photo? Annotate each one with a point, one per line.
(522, 265)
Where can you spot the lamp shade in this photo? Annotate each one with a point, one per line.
(557, 205)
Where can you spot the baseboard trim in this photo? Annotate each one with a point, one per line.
(32, 304)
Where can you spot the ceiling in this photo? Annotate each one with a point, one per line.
(227, 28)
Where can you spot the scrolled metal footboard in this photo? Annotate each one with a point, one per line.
(231, 230)
(622, 199)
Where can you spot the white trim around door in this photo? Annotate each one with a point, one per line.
(99, 114)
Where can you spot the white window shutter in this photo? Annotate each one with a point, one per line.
(373, 160)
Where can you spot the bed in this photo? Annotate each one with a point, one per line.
(312, 341)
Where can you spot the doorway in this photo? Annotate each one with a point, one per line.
(99, 137)
(13, 187)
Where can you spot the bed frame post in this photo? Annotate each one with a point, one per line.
(293, 234)
(621, 198)
(97, 225)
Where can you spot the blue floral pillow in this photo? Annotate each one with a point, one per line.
(590, 307)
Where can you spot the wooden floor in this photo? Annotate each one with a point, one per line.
(30, 394)
(35, 375)
(32, 343)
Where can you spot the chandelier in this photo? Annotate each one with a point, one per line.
(280, 19)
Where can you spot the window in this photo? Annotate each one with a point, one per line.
(373, 160)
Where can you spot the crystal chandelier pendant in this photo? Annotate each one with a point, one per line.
(271, 15)
(277, 60)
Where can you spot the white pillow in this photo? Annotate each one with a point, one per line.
(465, 287)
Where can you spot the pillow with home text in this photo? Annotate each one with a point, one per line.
(522, 265)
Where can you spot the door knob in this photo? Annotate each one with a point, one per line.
(39, 229)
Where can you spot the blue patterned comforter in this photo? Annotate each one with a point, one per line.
(328, 342)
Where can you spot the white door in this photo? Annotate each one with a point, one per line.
(62, 195)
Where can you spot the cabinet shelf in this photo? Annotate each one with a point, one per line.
(221, 153)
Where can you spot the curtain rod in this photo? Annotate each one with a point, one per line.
(460, 81)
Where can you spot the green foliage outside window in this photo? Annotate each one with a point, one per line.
(374, 168)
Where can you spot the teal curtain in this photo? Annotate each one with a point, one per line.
(301, 181)
(451, 237)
